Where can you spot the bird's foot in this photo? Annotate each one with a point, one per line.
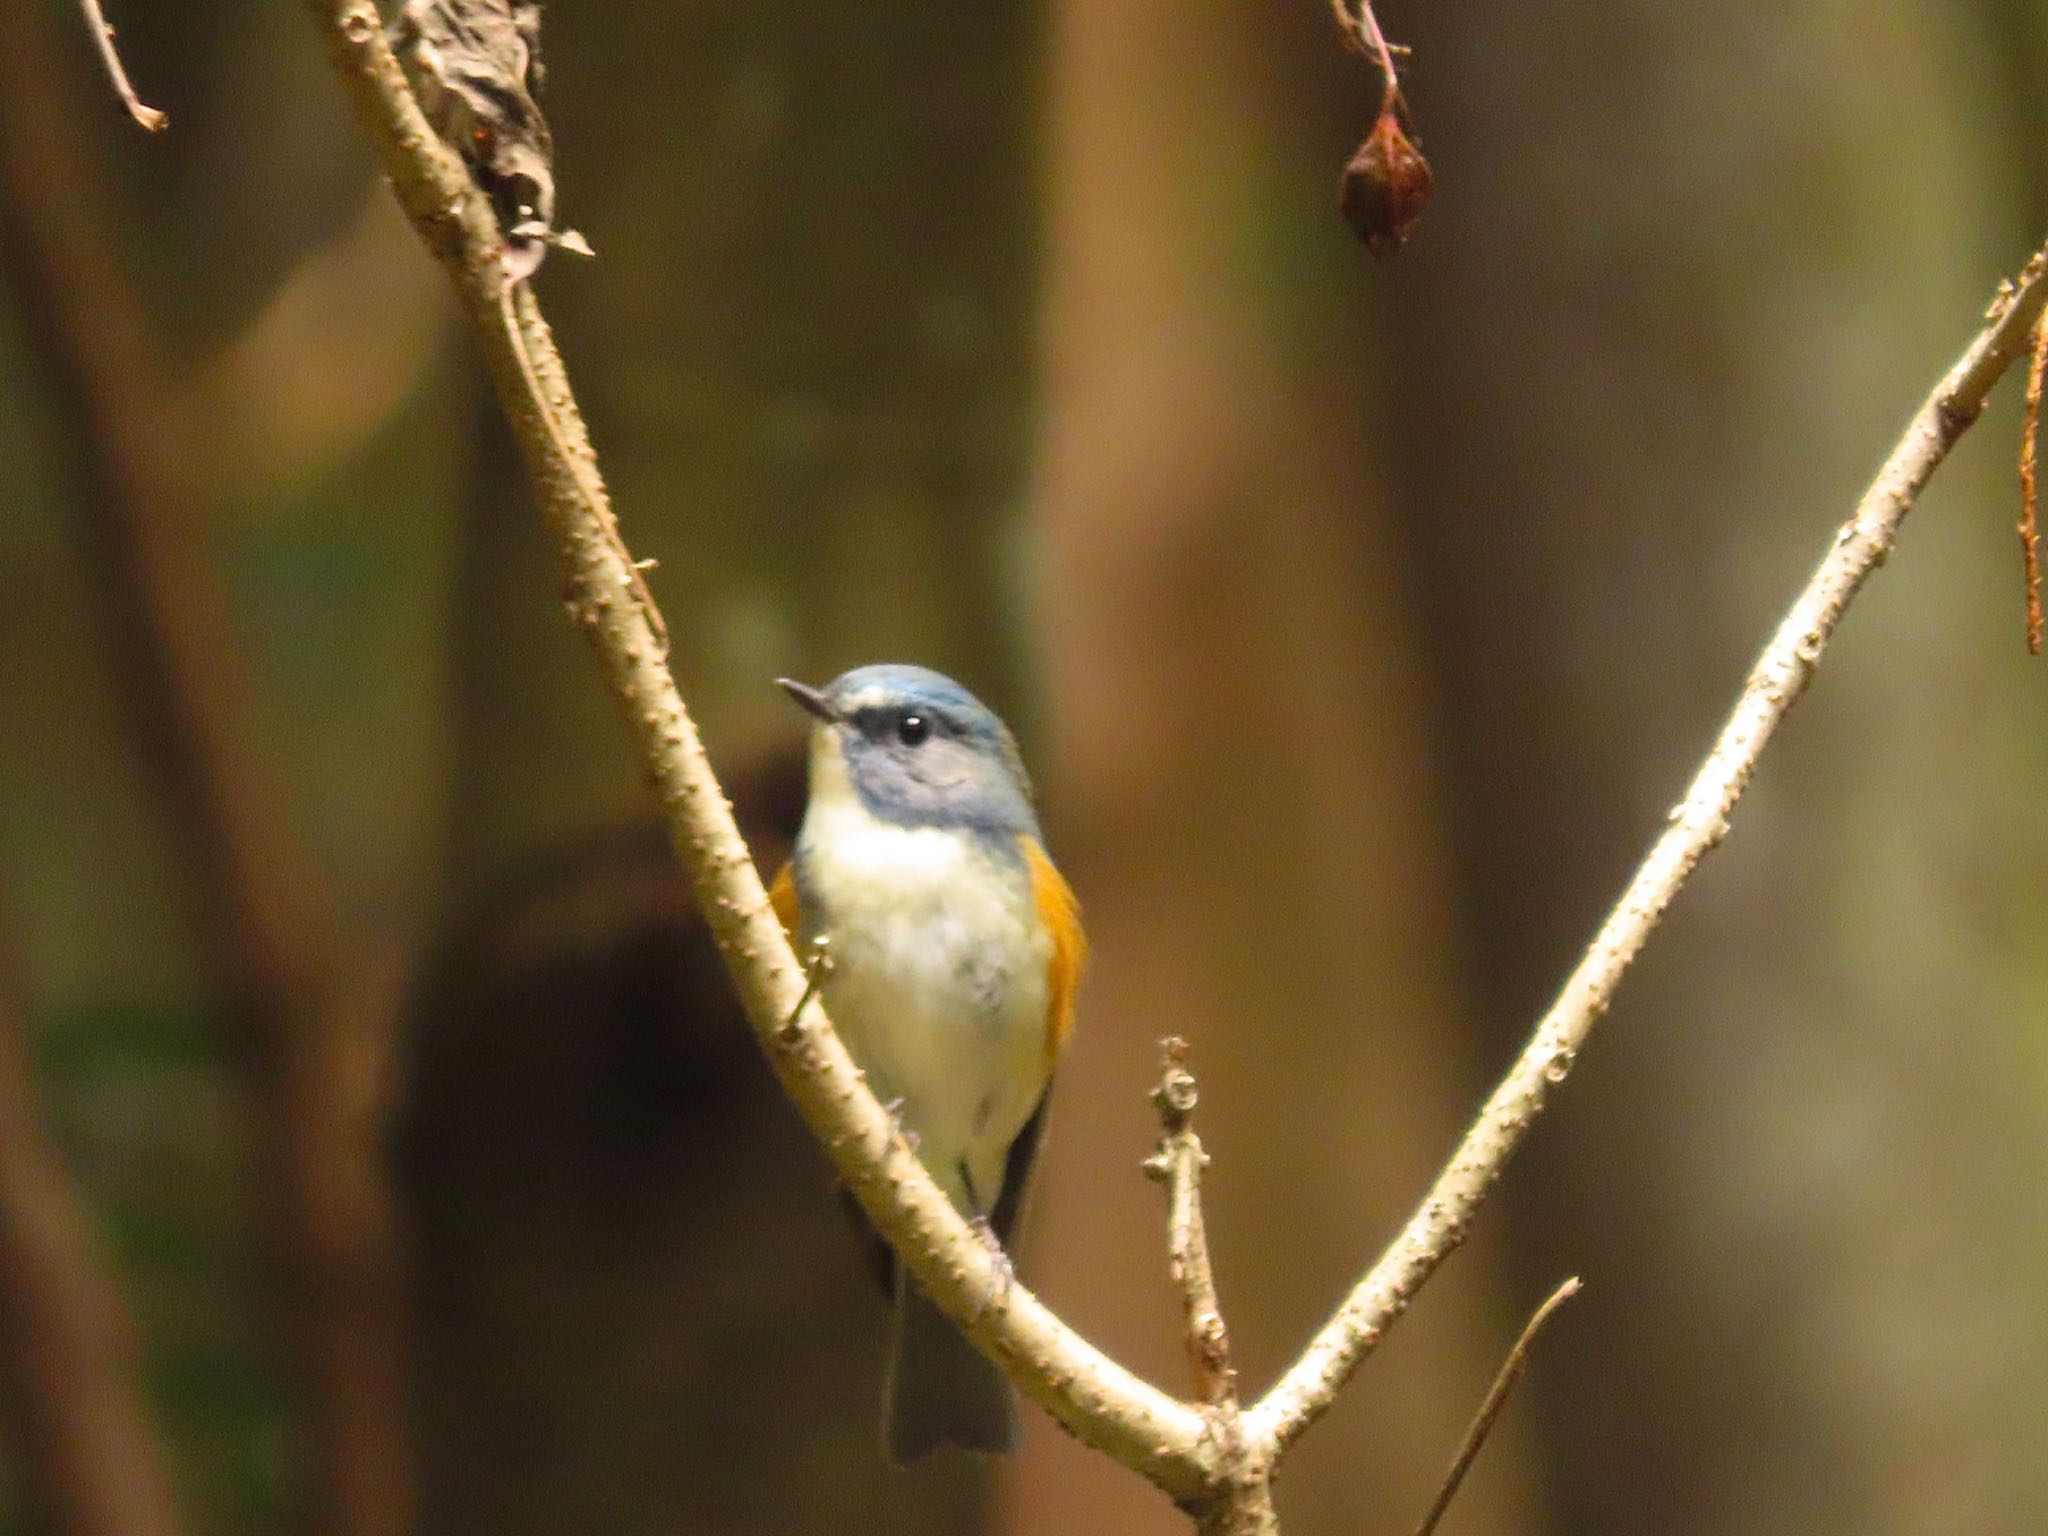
(893, 1108)
(1003, 1274)
(817, 964)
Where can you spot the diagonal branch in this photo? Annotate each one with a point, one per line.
(1697, 825)
(1099, 1401)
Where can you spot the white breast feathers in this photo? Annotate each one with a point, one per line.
(939, 981)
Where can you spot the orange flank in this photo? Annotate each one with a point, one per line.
(1062, 916)
(782, 897)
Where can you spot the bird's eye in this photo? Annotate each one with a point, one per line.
(912, 730)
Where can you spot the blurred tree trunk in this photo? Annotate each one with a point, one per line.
(1241, 792)
(284, 965)
(804, 353)
(1688, 272)
(73, 1366)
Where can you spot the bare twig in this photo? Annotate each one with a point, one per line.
(1362, 31)
(2030, 501)
(1245, 1504)
(1096, 1399)
(1696, 826)
(1178, 1164)
(68, 1352)
(110, 56)
(1496, 1399)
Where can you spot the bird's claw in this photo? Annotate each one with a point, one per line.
(817, 963)
(1003, 1273)
(893, 1108)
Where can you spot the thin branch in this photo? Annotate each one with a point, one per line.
(2030, 500)
(1178, 1164)
(110, 57)
(71, 1361)
(1362, 31)
(1347, 23)
(1496, 1399)
(1098, 1400)
(1697, 825)
(1242, 1504)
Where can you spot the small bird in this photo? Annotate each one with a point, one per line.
(955, 952)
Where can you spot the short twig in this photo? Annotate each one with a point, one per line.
(1362, 31)
(1178, 1164)
(103, 38)
(1496, 1398)
(2030, 502)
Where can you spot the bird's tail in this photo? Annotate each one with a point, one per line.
(941, 1390)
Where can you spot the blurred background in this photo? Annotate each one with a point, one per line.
(379, 1150)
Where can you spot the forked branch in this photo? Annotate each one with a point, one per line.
(1223, 1480)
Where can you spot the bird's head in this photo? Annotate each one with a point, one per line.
(917, 749)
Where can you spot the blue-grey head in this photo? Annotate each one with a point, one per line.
(916, 749)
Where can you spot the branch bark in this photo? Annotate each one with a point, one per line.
(1696, 826)
(1099, 1401)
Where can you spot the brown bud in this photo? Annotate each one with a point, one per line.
(1386, 187)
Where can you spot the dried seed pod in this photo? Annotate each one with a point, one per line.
(1385, 188)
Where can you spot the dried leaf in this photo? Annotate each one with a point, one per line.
(1386, 187)
(476, 65)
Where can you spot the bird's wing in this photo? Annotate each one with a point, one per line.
(1061, 914)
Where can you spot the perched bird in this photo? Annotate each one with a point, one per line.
(955, 950)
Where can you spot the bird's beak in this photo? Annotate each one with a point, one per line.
(812, 701)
